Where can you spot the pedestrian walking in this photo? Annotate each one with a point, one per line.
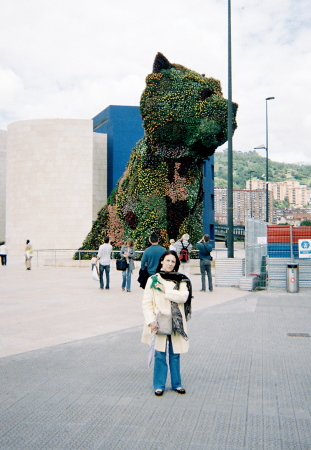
(128, 252)
(28, 254)
(104, 255)
(172, 245)
(94, 261)
(3, 253)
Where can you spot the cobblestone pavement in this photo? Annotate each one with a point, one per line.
(247, 373)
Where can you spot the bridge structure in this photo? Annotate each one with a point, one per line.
(221, 232)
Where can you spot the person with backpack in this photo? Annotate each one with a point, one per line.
(205, 248)
(183, 249)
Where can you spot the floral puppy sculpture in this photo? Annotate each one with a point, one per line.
(185, 120)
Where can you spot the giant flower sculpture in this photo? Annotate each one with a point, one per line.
(185, 120)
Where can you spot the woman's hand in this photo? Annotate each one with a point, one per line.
(154, 327)
(160, 286)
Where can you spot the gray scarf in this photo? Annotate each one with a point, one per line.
(177, 322)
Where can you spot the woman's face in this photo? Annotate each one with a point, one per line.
(168, 263)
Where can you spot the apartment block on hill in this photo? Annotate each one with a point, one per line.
(246, 203)
(296, 193)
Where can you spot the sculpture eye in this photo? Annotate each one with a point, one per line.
(205, 93)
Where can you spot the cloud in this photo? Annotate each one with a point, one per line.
(11, 87)
(73, 58)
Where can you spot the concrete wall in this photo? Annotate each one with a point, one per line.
(50, 183)
(99, 172)
(3, 159)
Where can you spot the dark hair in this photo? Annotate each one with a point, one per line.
(206, 237)
(154, 238)
(106, 239)
(169, 252)
(27, 242)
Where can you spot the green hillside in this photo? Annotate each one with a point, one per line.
(243, 163)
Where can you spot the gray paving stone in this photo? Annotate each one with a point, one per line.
(248, 386)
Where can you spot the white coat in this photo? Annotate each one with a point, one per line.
(155, 301)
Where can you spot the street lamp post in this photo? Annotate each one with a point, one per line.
(230, 156)
(267, 160)
(267, 163)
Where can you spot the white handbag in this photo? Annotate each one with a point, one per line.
(95, 274)
(164, 323)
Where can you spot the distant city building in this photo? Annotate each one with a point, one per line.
(296, 193)
(246, 203)
(292, 216)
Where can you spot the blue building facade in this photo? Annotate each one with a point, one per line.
(124, 128)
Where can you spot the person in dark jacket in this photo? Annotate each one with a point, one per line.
(152, 255)
(205, 248)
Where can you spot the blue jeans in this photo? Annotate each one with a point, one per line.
(205, 267)
(101, 276)
(161, 368)
(126, 278)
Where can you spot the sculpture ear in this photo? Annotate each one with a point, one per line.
(160, 63)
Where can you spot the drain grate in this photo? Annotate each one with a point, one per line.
(298, 334)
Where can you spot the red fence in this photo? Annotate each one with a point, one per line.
(283, 240)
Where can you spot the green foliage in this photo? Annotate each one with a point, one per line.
(185, 119)
(243, 163)
(281, 204)
(183, 108)
(111, 198)
(305, 223)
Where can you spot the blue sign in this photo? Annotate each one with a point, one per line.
(304, 248)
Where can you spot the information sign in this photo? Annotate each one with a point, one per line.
(304, 248)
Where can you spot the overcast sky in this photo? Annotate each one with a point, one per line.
(73, 58)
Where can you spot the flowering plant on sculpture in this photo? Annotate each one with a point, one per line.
(161, 190)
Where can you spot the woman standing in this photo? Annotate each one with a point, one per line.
(128, 252)
(168, 292)
(3, 253)
(172, 245)
(28, 254)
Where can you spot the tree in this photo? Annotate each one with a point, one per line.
(305, 223)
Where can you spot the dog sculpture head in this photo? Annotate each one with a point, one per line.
(161, 190)
(184, 113)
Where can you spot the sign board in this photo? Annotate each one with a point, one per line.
(304, 248)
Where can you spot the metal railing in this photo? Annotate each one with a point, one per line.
(55, 255)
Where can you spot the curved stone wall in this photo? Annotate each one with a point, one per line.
(3, 147)
(53, 166)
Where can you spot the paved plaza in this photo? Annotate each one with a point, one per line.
(74, 374)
